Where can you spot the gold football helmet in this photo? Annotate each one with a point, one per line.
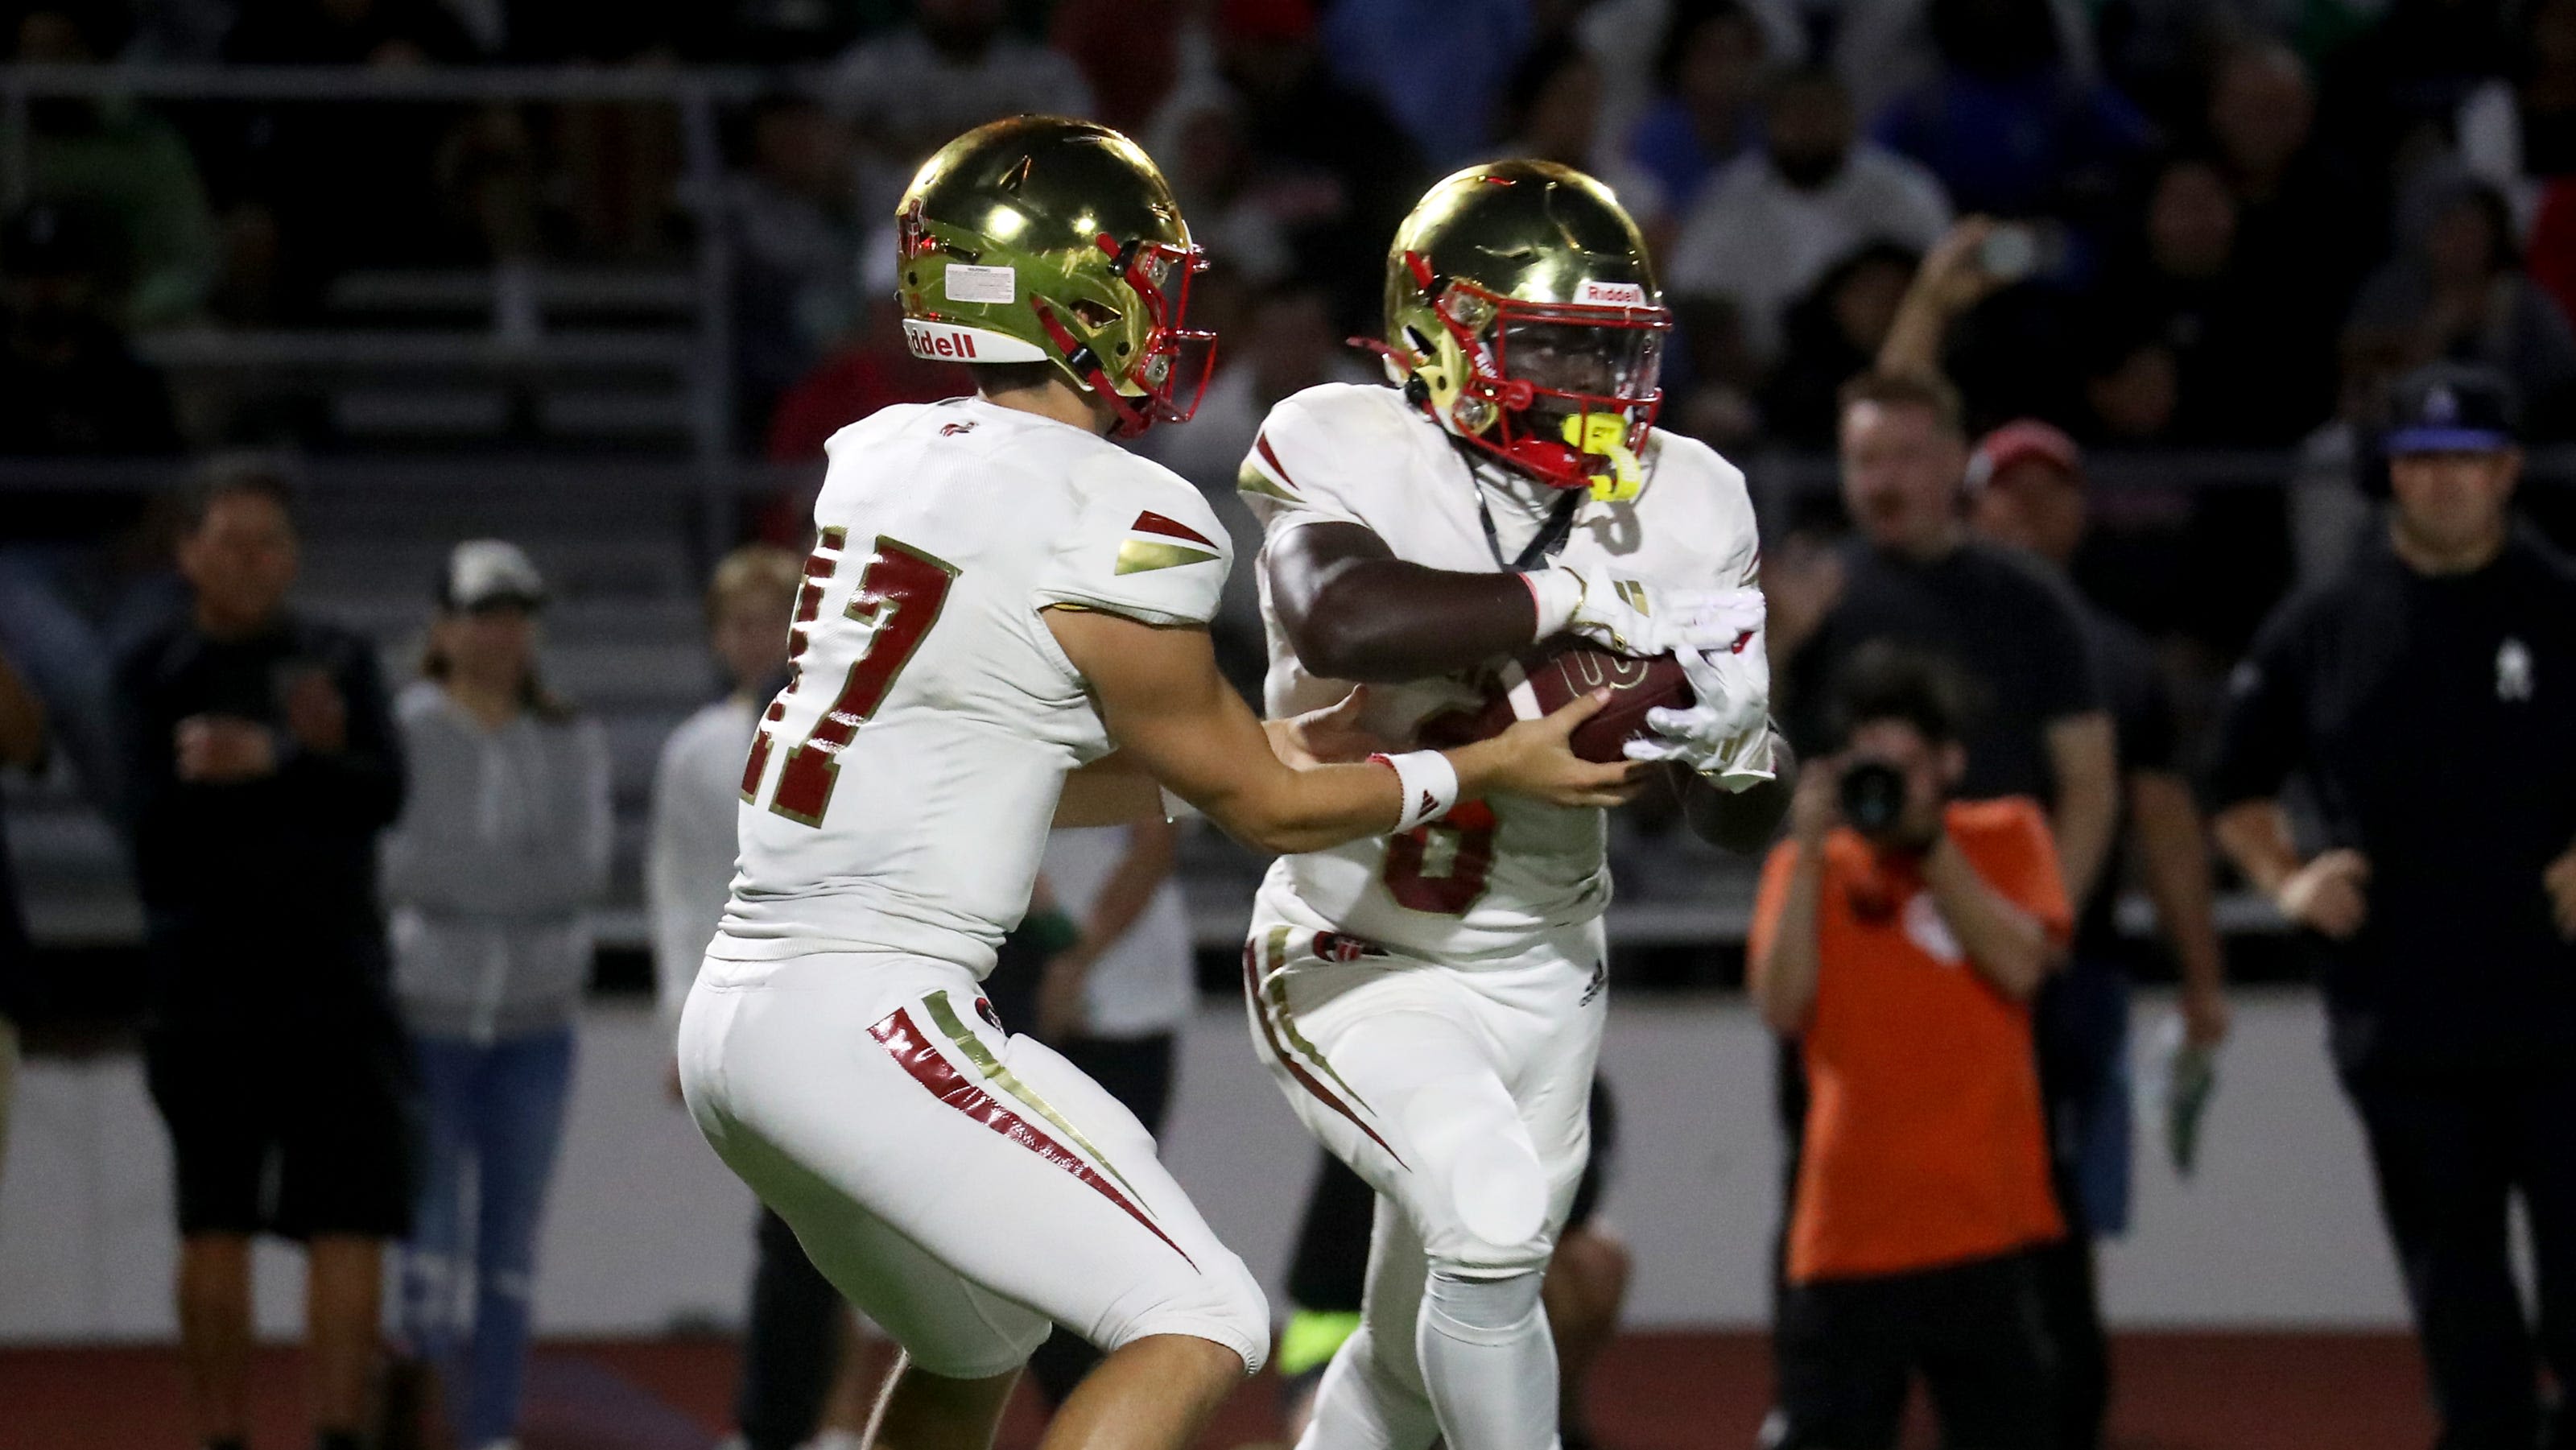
(1041, 239)
(1523, 316)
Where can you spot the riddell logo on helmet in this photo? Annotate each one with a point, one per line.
(938, 341)
(1611, 294)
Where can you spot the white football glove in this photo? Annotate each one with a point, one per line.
(1726, 733)
(1736, 766)
(1636, 617)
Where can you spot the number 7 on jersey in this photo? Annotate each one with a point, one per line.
(900, 593)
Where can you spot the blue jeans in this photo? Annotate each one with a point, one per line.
(493, 1114)
(68, 656)
(2082, 1024)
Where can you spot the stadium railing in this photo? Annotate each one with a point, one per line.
(695, 96)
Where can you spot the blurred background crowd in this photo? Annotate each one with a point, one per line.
(2237, 219)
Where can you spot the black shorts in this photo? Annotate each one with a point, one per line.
(297, 1132)
(1137, 1071)
(1848, 1349)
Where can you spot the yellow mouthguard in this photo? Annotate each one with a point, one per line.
(1605, 435)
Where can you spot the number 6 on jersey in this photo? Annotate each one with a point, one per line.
(899, 595)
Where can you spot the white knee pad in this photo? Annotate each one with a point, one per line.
(1487, 1192)
(1225, 1306)
(1483, 1311)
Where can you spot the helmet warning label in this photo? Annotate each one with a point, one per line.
(967, 282)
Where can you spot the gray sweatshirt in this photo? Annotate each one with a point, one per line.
(502, 847)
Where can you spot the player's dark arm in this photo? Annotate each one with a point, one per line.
(1354, 611)
(1740, 821)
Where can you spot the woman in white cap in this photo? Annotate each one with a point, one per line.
(501, 849)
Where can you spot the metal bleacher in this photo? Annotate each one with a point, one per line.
(568, 360)
(582, 410)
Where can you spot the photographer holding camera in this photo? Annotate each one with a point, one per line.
(1899, 935)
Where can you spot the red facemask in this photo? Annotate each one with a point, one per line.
(1550, 383)
(1173, 366)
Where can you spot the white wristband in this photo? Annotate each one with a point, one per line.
(1557, 592)
(1429, 783)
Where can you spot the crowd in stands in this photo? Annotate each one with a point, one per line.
(2243, 217)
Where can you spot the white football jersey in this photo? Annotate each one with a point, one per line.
(898, 795)
(1481, 881)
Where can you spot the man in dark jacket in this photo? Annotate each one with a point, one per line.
(262, 764)
(2425, 700)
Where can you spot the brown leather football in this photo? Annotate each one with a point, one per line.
(1548, 676)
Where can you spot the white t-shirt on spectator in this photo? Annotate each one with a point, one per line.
(1754, 238)
(689, 855)
(1142, 984)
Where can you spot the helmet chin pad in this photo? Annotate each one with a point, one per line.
(1557, 465)
(1593, 448)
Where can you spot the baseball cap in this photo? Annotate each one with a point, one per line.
(2450, 408)
(2024, 440)
(482, 573)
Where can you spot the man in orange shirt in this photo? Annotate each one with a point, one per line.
(1899, 935)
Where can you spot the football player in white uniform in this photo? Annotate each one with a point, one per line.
(1431, 1000)
(999, 598)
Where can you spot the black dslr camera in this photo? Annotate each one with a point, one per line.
(1886, 684)
(1872, 795)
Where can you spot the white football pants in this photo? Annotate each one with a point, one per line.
(1461, 1096)
(962, 1187)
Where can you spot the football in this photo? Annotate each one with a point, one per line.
(1549, 676)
